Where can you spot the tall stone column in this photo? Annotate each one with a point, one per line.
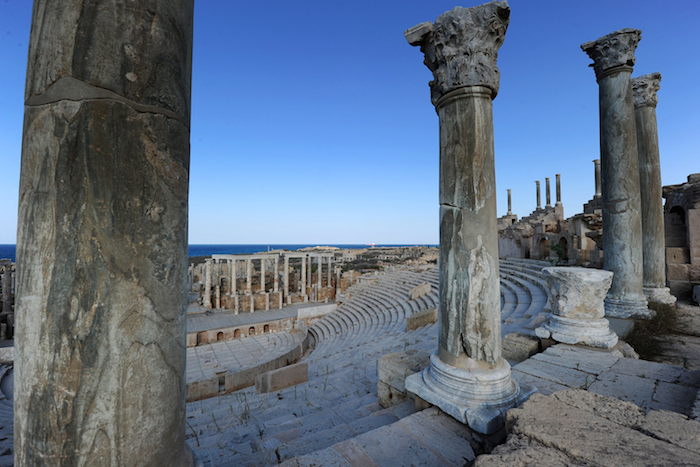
(558, 182)
(613, 57)
(330, 271)
(537, 194)
(644, 89)
(510, 204)
(276, 283)
(309, 271)
(7, 290)
(102, 237)
(206, 296)
(319, 273)
(598, 183)
(249, 276)
(303, 276)
(467, 378)
(262, 275)
(234, 277)
(547, 193)
(285, 277)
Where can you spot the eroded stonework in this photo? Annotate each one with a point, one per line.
(644, 89)
(461, 47)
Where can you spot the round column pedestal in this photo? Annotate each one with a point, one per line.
(591, 332)
(627, 308)
(659, 295)
(476, 397)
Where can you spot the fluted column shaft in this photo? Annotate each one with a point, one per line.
(286, 276)
(537, 194)
(510, 206)
(319, 272)
(262, 275)
(206, 298)
(622, 227)
(102, 237)
(276, 283)
(548, 193)
(303, 276)
(598, 182)
(249, 276)
(558, 181)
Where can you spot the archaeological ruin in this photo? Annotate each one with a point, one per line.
(519, 340)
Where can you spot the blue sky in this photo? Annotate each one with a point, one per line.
(312, 123)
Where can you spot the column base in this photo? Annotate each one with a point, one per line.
(621, 308)
(478, 398)
(591, 332)
(659, 295)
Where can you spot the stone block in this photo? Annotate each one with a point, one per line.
(677, 255)
(419, 290)
(519, 347)
(694, 273)
(682, 290)
(282, 378)
(678, 272)
(422, 318)
(392, 370)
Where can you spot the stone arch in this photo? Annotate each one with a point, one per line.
(236, 333)
(564, 244)
(266, 328)
(202, 338)
(676, 229)
(219, 336)
(251, 331)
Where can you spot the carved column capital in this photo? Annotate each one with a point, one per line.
(644, 89)
(461, 47)
(613, 51)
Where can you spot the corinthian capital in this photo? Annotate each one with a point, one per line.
(461, 47)
(644, 89)
(614, 50)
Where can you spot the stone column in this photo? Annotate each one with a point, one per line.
(576, 297)
(7, 290)
(276, 284)
(234, 274)
(206, 296)
(613, 57)
(262, 275)
(467, 378)
(309, 271)
(217, 296)
(644, 89)
(102, 237)
(285, 277)
(537, 193)
(319, 273)
(558, 182)
(303, 276)
(598, 183)
(547, 193)
(249, 276)
(510, 206)
(330, 271)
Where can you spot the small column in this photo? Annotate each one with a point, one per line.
(303, 277)
(644, 89)
(578, 311)
(234, 277)
(537, 193)
(249, 276)
(276, 284)
(319, 273)
(558, 182)
(330, 271)
(309, 271)
(547, 193)
(262, 275)
(206, 297)
(217, 295)
(598, 180)
(510, 205)
(613, 57)
(285, 278)
(468, 377)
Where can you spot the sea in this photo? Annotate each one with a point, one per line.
(8, 251)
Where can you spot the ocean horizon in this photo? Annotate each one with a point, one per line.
(9, 250)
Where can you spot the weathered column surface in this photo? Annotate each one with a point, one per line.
(102, 238)
(7, 290)
(303, 276)
(276, 280)
(576, 297)
(319, 273)
(537, 195)
(249, 276)
(467, 377)
(644, 89)
(598, 183)
(558, 182)
(510, 206)
(548, 193)
(613, 58)
(234, 278)
(262, 275)
(206, 296)
(330, 271)
(285, 277)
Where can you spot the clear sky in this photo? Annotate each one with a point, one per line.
(312, 123)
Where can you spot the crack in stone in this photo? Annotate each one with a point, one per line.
(72, 89)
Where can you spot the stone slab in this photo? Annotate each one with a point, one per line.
(518, 347)
(282, 378)
(422, 318)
